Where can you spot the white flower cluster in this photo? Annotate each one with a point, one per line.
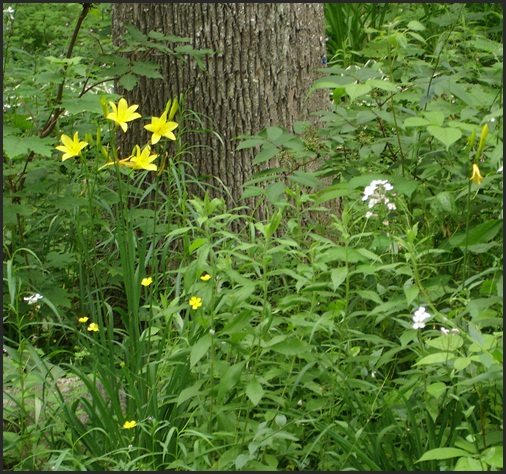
(33, 299)
(376, 193)
(419, 317)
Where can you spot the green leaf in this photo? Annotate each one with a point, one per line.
(146, 69)
(416, 122)
(446, 136)
(442, 453)
(230, 379)
(383, 85)
(128, 81)
(436, 389)
(357, 90)
(268, 152)
(481, 233)
(415, 26)
(330, 82)
(250, 143)
(190, 392)
(493, 456)
(338, 276)
(434, 117)
(86, 103)
(254, 391)
(274, 133)
(291, 347)
(200, 349)
(438, 358)
(274, 192)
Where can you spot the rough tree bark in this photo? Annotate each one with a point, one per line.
(265, 64)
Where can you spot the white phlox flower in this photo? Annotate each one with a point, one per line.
(419, 317)
(375, 193)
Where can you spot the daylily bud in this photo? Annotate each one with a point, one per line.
(103, 103)
(484, 133)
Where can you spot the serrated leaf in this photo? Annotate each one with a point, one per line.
(447, 136)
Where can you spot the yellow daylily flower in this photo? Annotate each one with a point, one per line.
(71, 147)
(83, 319)
(93, 327)
(476, 176)
(195, 302)
(129, 424)
(122, 113)
(141, 160)
(146, 281)
(160, 127)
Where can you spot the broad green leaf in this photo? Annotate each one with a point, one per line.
(304, 178)
(291, 347)
(190, 392)
(254, 391)
(268, 152)
(436, 389)
(200, 349)
(380, 84)
(438, 358)
(449, 342)
(415, 26)
(86, 103)
(493, 456)
(357, 90)
(447, 136)
(230, 378)
(128, 81)
(416, 122)
(468, 464)
(274, 192)
(411, 293)
(338, 276)
(434, 117)
(330, 82)
(197, 243)
(442, 453)
(250, 143)
(482, 233)
(274, 133)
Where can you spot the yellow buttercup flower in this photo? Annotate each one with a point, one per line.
(205, 276)
(195, 302)
(122, 113)
(476, 176)
(71, 147)
(83, 319)
(129, 424)
(146, 281)
(160, 127)
(93, 327)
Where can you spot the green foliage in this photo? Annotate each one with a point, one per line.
(294, 343)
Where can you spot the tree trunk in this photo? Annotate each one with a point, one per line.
(265, 64)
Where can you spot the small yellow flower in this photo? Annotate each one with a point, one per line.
(195, 302)
(122, 113)
(129, 424)
(71, 147)
(160, 127)
(83, 319)
(476, 176)
(205, 276)
(93, 327)
(146, 281)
